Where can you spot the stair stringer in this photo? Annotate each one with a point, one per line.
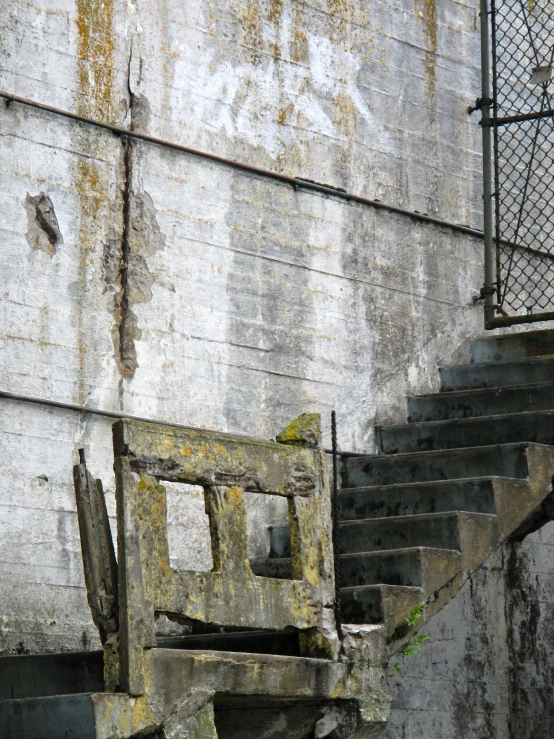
(522, 506)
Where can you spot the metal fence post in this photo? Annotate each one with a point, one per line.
(485, 103)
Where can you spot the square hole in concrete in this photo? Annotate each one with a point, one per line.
(188, 528)
(268, 534)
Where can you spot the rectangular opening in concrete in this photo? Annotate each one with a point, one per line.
(188, 528)
(267, 517)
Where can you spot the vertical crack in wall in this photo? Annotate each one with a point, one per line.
(140, 238)
(126, 334)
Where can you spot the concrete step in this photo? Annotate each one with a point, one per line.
(437, 530)
(504, 460)
(484, 402)
(498, 374)
(536, 426)
(246, 642)
(374, 604)
(475, 495)
(35, 675)
(513, 346)
(421, 567)
(53, 717)
(414, 566)
(278, 567)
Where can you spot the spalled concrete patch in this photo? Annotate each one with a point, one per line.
(44, 232)
(128, 268)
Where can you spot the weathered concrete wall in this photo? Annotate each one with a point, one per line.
(487, 671)
(163, 285)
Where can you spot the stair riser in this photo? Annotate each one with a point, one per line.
(480, 403)
(373, 536)
(506, 461)
(534, 427)
(474, 496)
(363, 606)
(525, 372)
(513, 346)
(41, 675)
(398, 569)
(380, 603)
(390, 568)
(362, 570)
(62, 717)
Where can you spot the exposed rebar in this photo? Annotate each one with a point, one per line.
(336, 522)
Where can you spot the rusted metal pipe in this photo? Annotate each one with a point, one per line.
(296, 182)
(336, 524)
(488, 290)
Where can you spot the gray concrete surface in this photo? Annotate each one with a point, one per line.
(487, 669)
(245, 303)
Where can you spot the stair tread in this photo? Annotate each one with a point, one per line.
(469, 392)
(413, 498)
(480, 402)
(420, 566)
(52, 698)
(45, 675)
(508, 460)
(412, 517)
(380, 603)
(418, 485)
(381, 552)
(502, 362)
(522, 343)
(404, 551)
(505, 373)
(451, 433)
(345, 523)
(469, 421)
(432, 530)
(429, 453)
(415, 589)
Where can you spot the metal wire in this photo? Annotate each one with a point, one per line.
(298, 183)
(336, 522)
(523, 125)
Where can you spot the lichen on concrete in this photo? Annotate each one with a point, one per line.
(173, 697)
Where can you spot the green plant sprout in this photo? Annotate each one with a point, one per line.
(414, 645)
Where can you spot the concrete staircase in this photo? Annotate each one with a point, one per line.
(472, 467)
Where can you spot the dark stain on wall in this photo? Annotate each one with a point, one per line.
(270, 332)
(530, 620)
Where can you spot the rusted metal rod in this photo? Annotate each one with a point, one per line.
(296, 182)
(488, 290)
(19, 398)
(336, 523)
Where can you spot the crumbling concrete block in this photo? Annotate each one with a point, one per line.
(170, 693)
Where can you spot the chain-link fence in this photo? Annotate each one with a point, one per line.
(523, 128)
